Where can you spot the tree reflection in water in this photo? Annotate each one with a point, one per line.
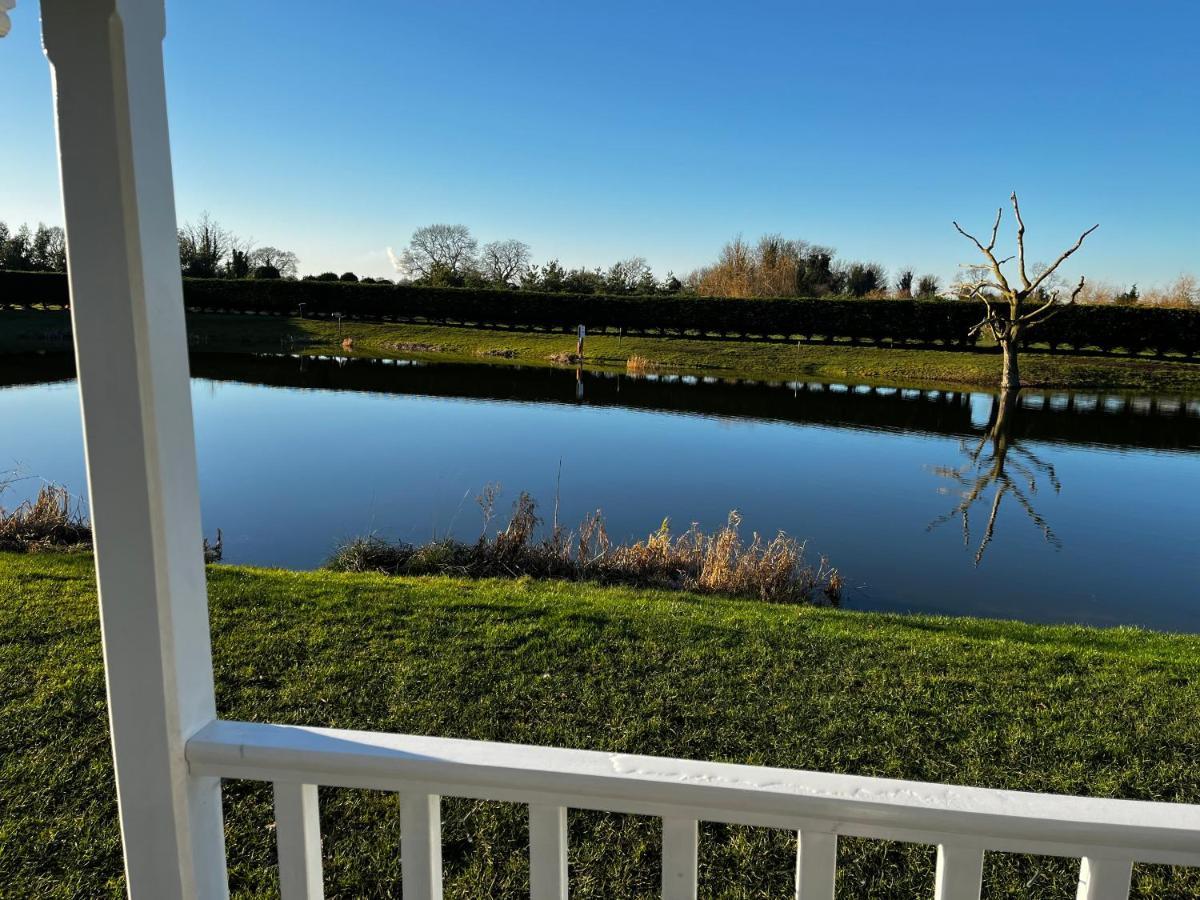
(998, 467)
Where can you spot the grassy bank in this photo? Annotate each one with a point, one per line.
(1109, 713)
(22, 331)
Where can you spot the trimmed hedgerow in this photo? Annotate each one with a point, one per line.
(25, 288)
(927, 322)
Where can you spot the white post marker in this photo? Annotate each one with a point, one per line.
(582, 333)
(132, 357)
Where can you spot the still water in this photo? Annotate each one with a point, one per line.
(1098, 493)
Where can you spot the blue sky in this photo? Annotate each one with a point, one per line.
(599, 131)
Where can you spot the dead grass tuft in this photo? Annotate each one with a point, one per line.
(639, 365)
(50, 520)
(776, 571)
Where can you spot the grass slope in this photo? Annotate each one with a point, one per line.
(50, 329)
(1110, 713)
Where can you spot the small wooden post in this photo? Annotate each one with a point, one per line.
(816, 865)
(1104, 879)
(298, 837)
(547, 852)
(421, 845)
(680, 859)
(579, 342)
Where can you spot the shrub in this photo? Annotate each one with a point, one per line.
(348, 277)
(266, 272)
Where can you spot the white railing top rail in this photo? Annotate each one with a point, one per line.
(918, 812)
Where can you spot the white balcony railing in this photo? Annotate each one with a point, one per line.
(1108, 836)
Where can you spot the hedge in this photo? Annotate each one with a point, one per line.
(944, 322)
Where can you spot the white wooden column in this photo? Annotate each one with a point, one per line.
(131, 351)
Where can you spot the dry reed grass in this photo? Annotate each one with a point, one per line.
(639, 365)
(50, 520)
(774, 570)
(53, 520)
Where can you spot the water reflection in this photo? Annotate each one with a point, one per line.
(398, 444)
(998, 466)
(1111, 419)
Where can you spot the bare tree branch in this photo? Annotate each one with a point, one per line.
(995, 229)
(1048, 307)
(1020, 242)
(994, 263)
(1066, 253)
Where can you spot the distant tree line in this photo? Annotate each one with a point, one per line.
(450, 256)
(444, 255)
(776, 266)
(43, 249)
(208, 250)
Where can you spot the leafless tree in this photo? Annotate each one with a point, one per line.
(998, 462)
(285, 262)
(627, 275)
(438, 248)
(502, 261)
(1012, 311)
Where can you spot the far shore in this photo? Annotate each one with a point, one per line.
(48, 330)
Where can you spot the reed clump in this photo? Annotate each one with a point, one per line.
(640, 365)
(54, 521)
(51, 520)
(722, 562)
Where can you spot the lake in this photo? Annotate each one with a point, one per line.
(1098, 492)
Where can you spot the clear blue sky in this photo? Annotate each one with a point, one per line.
(603, 130)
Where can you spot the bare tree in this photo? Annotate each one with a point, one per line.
(628, 275)
(438, 248)
(503, 261)
(1009, 315)
(285, 262)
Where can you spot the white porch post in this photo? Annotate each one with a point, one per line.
(131, 351)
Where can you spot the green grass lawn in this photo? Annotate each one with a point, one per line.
(1100, 712)
(37, 330)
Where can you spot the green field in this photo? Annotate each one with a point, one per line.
(35, 330)
(1099, 712)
